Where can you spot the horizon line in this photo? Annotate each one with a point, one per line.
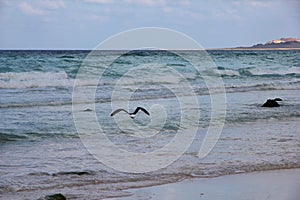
(85, 49)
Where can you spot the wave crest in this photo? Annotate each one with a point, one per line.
(12, 80)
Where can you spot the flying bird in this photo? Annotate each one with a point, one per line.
(132, 115)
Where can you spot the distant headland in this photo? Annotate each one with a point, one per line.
(278, 44)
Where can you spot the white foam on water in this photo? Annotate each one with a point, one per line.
(12, 80)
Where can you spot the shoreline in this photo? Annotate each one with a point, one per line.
(252, 49)
(272, 184)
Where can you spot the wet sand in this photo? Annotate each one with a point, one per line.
(274, 184)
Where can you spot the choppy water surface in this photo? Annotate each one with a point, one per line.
(41, 152)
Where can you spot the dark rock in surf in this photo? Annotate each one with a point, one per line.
(272, 103)
(58, 196)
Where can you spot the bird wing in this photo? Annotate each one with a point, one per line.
(118, 110)
(140, 108)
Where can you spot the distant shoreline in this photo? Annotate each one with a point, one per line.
(253, 49)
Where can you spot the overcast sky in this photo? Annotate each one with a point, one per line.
(83, 24)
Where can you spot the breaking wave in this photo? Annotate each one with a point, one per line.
(12, 80)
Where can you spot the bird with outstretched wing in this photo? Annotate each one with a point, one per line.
(132, 115)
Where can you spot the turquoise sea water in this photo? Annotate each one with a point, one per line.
(41, 151)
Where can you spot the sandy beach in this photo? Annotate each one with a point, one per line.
(273, 184)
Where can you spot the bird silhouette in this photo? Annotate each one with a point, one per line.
(132, 115)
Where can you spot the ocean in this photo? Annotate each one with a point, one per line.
(44, 149)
